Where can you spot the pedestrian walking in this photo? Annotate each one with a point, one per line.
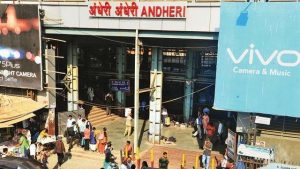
(70, 131)
(102, 141)
(220, 131)
(109, 157)
(90, 93)
(70, 127)
(205, 121)
(82, 127)
(164, 161)
(164, 114)
(59, 150)
(87, 135)
(199, 125)
(127, 149)
(93, 141)
(206, 153)
(128, 124)
(109, 100)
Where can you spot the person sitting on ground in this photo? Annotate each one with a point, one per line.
(6, 153)
(163, 161)
(43, 133)
(127, 149)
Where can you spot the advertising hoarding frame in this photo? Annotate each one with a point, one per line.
(18, 22)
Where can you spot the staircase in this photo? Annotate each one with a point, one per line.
(288, 127)
(97, 116)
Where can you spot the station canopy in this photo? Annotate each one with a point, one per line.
(14, 109)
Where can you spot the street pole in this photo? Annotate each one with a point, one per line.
(136, 89)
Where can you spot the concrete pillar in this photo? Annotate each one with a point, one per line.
(72, 73)
(156, 79)
(189, 86)
(121, 68)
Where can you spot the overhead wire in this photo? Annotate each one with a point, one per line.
(120, 107)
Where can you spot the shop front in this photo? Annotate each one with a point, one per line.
(177, 38)
(23, 114)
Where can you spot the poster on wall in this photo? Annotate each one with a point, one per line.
(231, 145)
(20, 49)
(258, 62)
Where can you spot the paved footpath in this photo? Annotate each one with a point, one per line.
(92, 160)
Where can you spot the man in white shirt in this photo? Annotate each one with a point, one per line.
(70, 128)
(32, 151)
(79, 120)
(164, 114)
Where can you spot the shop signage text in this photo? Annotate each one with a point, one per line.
(256, 152)
(120, 85)
(275, 54)
(138, 9)
(20, 56)
(257, 63)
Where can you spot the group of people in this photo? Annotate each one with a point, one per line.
(82, 132)
(31, 148)
(211, 134)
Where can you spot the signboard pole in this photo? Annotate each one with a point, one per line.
(136, 90)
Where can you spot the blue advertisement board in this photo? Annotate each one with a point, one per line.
(258, 66)
(120, 85)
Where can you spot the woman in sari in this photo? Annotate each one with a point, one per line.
(102, 141)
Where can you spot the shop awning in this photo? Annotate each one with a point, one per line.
(14, 109)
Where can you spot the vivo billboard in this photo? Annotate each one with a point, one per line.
(258, 66)
(20, 58)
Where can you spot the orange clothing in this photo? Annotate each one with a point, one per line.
(211, 130)
(87, 133)
(205, 121)
(102, 143)
(128, 149)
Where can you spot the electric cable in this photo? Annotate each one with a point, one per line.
(118, 107)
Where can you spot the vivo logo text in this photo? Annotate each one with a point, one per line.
(266, 60)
